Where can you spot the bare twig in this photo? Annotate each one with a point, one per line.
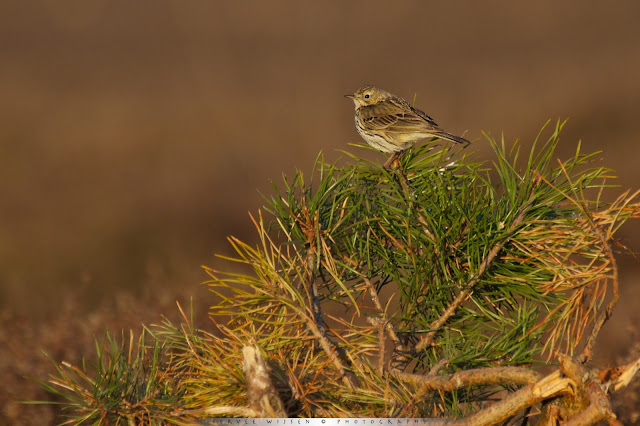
(398, 348)
(537, 389)
(594, 404)
(261, 394)
(225, 410)
(382, 346)
(310, 228)
(387, 323)
(438, 366)
(550, 386)
(427, 232)
(332, 352)
(619, 377)
(475, 377)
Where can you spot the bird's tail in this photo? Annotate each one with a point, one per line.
(453, 138)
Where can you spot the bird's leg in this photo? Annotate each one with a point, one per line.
(389, 160)
(392, 160)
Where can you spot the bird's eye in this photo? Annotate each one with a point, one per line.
(366, 96)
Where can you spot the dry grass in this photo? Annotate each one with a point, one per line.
(70, 335)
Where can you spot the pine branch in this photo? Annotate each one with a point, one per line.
(467, 289)
(481, 264)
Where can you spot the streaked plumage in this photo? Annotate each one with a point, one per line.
(389, 124)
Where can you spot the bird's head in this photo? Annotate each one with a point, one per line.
(368, 95)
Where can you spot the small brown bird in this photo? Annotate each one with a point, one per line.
(389, 124)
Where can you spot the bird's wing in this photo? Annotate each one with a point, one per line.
(424, 116)
(396, 117)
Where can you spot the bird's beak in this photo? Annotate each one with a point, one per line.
(350, 96)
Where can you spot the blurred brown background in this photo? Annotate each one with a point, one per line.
(135, 136)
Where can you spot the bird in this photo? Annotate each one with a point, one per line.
(390, 124)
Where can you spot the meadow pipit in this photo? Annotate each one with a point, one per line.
(389, 124)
